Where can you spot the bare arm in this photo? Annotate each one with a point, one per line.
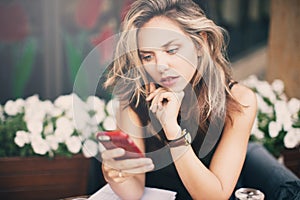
(219, 180)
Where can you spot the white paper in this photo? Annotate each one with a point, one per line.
(106, 193)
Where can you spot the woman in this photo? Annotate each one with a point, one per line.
(173, 81)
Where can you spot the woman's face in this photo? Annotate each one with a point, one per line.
(169, 56)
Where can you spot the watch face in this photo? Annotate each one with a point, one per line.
(188, 138)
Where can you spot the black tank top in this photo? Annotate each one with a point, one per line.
(166, 177)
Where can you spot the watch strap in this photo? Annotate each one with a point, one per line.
(183, 140)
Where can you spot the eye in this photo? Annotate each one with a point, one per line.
(147, 57)
(172, 50)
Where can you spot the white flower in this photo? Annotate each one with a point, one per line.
(32, 100)
(64, 129)
(39, 145)
(11, 108)
(293, 105)
(48, 125)
(274, 129)
(266, 90)
(109, 123)
(291, 139)
(62, 134)
(283, 115)
(99, 116)
(80, 113)
(98, 106)
(52, 142)
(73, 144)
(87, 132)
(278, 86)
(271, 100)
(50, 109)
(259, 134)
(78, 104)
(34, 110)
(64, 102)
(65, 125)
(94, 103)
(251, 81)
(69, 114)
(112, 107)
(35, 126)
(101, 147)
(20, 103)
(89, 148)
(49, 129)
(263, 106)
(81, 118)
(255, 130)
(22, 138)
(92, 121)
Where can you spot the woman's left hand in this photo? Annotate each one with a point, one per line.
(165, 105)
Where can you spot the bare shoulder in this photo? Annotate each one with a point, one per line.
(243, 120)
(244, 95)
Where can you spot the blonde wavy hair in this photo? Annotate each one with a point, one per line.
(213, 73)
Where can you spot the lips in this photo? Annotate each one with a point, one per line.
(169, 81)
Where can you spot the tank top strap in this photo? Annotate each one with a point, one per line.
(232, 83)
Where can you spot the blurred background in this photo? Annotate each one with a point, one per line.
(43, 43)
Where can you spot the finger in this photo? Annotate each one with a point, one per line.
(125, 164)
(106, 168)
(160, 99)
(133, 163)
(113, 153)
(152, 87)
(157, 101)
(154, 93)
(117, 176)
(139, 170)
(113, 173)
(153, 107)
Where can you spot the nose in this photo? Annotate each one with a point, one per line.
(162, 62)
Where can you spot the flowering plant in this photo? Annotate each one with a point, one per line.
(65, 127)
(277, 125)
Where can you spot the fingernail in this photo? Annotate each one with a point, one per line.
(121, 151)
(150, 166)
(148, 161)
(160, 107)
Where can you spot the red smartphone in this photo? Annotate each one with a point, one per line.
(115, 139)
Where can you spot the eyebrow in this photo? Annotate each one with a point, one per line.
(163, 46)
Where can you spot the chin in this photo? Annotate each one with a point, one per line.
(177, 88)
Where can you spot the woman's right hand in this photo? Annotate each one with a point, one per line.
(120, 170)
